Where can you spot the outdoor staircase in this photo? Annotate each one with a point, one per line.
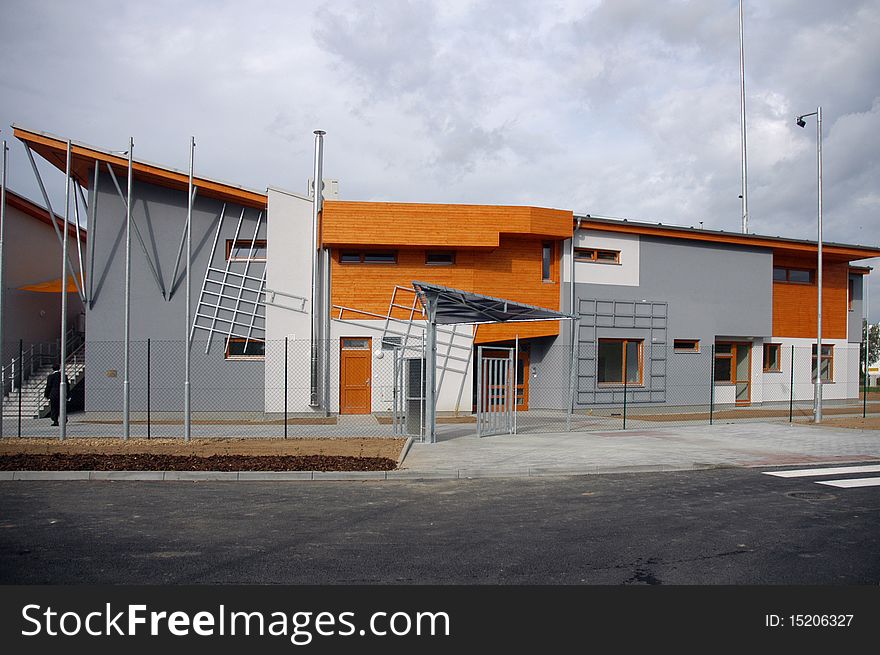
(37, 366)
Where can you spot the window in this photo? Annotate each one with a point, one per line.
(245, 349)
(686, 345)
(771, 357)
(827, 362)
(724, 362)
(597, 256)
(546, 261)
(390, 343)
(851, 293)
(240, 250)
(619, 360)
(354, 343)
(792, 275)
(439, 258)
(368, 257)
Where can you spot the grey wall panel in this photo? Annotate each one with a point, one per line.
(708, 290)
(160, 214)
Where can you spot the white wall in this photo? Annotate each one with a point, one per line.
(845, 373)
(626, 273)
(453, 394)
(288, 270)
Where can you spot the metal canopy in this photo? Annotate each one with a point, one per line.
(453, 306)
(445, 306)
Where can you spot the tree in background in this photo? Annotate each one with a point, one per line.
(871, 340)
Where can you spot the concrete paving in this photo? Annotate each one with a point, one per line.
(679, 448)
(574, 453)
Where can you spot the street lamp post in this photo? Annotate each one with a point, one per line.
(817, 394)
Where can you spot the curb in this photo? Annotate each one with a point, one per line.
(347, 476)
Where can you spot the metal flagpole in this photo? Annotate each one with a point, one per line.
(2, 226)
(126, 395)
(742, 80)
(62, 383)
(187, 419)
(818, 417)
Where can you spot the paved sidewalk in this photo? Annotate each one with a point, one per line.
(570, 453)
(744, 444)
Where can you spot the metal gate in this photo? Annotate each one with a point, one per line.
(496, 391)
(408, 394)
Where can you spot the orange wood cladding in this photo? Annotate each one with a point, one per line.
(512, 271)
(795, 305)
(473, 226)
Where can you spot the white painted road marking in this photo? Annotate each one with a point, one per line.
(854, 482)
(838, 470)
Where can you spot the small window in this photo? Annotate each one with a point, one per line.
(439, 258)
(827, 363)
(597, 255)
(390, 343)
(620, 359)
(368, 257)
(546, 261)
(350, 343)
(245, 250)
(686, 345)
(771, 357)
(850, 294)
(792, 275)
(245, 349)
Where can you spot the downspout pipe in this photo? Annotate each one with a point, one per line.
(317, 204)
(571, 310)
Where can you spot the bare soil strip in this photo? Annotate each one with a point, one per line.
(148, 462)
(220, 454)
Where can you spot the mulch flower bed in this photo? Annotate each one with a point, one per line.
(150, 462)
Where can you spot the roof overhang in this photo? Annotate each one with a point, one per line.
(455, 307)
(780, 245)
(83, 157)
(34, 210)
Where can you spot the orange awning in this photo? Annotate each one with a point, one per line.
(52, 286)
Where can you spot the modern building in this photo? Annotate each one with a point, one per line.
(672, 315)
(32, 297)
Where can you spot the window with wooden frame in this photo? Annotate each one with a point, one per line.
(440, 257)
(619, 360)
(547, 261)
(725, 354)
(772, 357)
(793, 275)
(597, 255)
(368, 257)
(686, 345)
(245, 250)
(827, 362)
(245, 348)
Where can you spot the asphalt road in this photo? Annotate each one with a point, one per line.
(726, 526)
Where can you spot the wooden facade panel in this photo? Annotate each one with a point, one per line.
(795, 305)
(512, 271)
(471, 226)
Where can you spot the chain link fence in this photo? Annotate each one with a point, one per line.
(244, 388)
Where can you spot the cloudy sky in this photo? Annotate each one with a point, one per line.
(624, 108)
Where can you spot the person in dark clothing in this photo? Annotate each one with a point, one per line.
(52, 392)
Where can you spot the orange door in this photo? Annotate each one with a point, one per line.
(355, 375)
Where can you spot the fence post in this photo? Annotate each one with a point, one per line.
(624, 399)
(791, 388)
(712, 384)
(285, 387)
(148, 389)
(20, 381)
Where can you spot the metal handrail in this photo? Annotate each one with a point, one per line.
(17, 373)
